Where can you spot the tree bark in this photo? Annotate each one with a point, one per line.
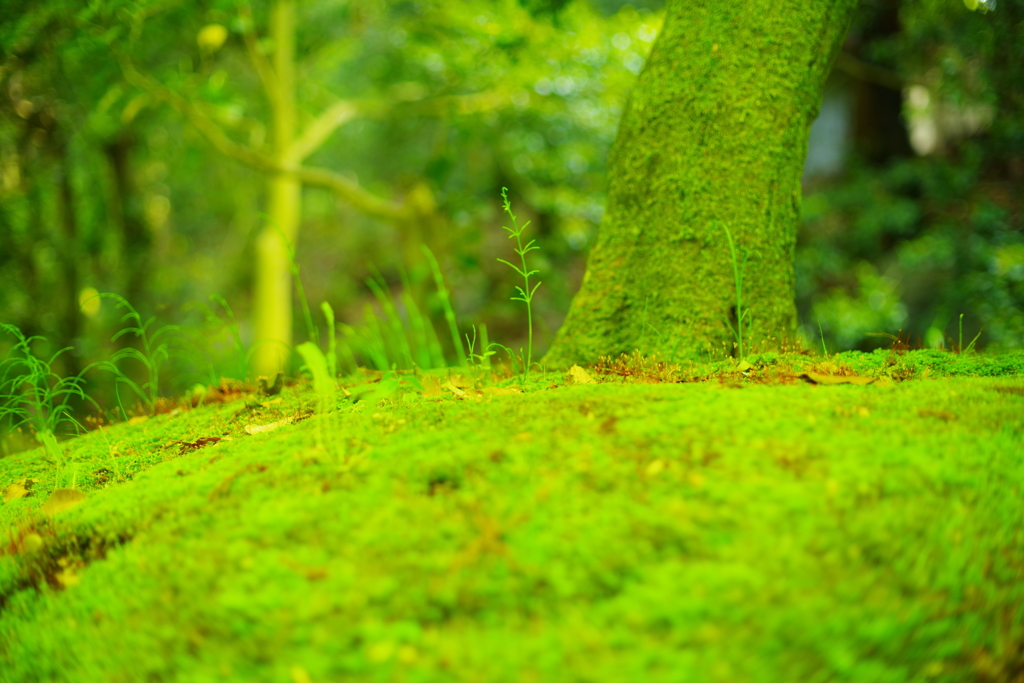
(714, 136)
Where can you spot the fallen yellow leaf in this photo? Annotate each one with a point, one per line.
(62, 499)
(454, 389)
(431, 386)
(500, 391)
(258, 429)
(578, 375)
(32, 542)
(67, 577)
(15, 491)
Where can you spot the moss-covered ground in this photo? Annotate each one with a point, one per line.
(733, 526)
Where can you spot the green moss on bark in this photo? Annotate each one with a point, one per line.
(715, 133)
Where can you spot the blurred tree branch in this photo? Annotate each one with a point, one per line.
(196, 116)
(474, 103)
(323, 126)
(314, 135)
(346, 188)
(270, 81)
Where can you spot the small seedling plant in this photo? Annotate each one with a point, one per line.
(960, 345)
(32, 394)
(480, 360)
(525, 292)
(153, 354)
(323, 383)
(230, 325)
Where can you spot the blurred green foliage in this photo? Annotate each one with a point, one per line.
(103, 187)
(900, 241)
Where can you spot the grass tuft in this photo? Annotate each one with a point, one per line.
(741, 312)
(32, 394)
(449, 314)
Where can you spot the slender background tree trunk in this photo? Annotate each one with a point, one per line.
(70, 257)
(879, 129)
(714, 136)
(127, 212)
(273, 300)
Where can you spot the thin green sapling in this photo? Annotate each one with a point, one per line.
(525, 292)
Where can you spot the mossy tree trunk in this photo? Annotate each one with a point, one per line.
(714, 136)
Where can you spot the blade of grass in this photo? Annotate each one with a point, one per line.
(332, 342)
(449, 314)
(396, 330)
(428, 350)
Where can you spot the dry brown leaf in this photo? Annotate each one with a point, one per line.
(578, 375)
(188, 446)
(819, 378)
(62, 499)
(273, 389)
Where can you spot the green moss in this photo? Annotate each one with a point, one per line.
(704, 531)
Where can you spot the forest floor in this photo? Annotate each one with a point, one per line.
(764, 524)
